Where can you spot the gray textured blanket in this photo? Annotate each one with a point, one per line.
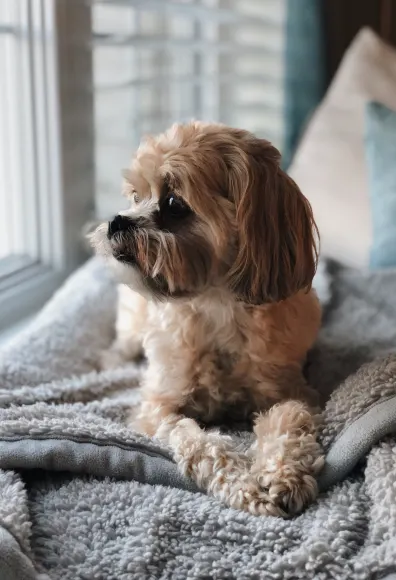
(83, 497)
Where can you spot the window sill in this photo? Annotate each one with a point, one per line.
(7, 335)
(27, 295)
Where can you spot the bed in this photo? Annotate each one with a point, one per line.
(84, 497)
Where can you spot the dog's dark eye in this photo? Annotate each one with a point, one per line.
(176, 206)
(173, 212)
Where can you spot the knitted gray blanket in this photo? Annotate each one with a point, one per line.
(83, 497)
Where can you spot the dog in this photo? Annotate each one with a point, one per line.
(216, 257)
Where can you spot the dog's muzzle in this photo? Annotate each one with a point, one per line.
(119, 224)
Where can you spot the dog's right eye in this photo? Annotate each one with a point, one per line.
(176, 206)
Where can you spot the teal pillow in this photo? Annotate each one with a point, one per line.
(380, 140)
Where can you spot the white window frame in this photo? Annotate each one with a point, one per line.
(54, 130)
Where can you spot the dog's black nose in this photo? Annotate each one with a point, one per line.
(119, 224)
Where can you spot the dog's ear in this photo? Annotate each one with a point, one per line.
(277, 235)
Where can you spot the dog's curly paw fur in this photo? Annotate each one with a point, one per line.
(287, 457)
(280, 483)
(290, 479)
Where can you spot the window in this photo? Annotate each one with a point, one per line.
(46, 151)
(160, 61)
(84, 80)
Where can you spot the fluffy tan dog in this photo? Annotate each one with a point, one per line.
(217, 254)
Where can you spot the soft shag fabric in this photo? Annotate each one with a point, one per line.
(380, 139)
(82, 497)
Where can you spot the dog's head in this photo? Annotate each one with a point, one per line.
(210, 207)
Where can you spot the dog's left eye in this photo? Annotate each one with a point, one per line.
(176, 206)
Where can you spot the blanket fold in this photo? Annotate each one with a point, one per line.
(82, 496)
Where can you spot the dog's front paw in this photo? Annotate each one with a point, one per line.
(289, 491)
(288, 474)
(286, 457)
(211, 460)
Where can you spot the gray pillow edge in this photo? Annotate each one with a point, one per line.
(105, 460)
(109, 460)
(356, 441)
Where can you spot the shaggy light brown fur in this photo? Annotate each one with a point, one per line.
(217, 255)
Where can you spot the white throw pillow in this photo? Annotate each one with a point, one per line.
(329, 165)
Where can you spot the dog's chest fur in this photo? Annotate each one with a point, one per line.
(212, 354)
(199, 345)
